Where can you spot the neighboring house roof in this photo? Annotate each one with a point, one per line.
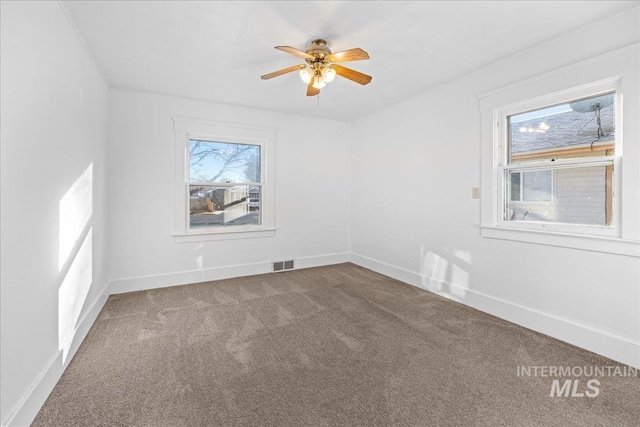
(566, 129)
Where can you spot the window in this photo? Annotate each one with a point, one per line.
(223, 184)
(559, 164)
(552, 151)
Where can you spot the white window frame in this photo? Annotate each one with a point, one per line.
(187, 129)
(613, 72)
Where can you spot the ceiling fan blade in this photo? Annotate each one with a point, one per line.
(283, 71)
(312, 91)
(352, 75)
(294, 51)
(355, 54)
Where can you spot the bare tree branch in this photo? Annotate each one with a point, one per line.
(234, 157)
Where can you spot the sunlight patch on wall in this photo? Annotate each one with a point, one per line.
(433, 270)
(459, 282)
(75, 209)
(73, 293)
(443, 277)
(461, 254)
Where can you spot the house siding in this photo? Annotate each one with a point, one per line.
(580, 195)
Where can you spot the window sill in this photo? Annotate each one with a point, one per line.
(576, 241)
(224, 235)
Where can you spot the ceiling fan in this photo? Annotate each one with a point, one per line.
(322, 66)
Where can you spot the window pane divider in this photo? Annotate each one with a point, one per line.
(560, 164)
(225, 184)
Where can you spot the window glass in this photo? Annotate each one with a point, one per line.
(573, 195)
(584, 127)
(216, 206)
(225, 184)
(532, 186)
(223, 162)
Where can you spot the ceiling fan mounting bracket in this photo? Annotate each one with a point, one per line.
(318, 50)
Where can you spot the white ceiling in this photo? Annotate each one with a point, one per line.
(217, 51)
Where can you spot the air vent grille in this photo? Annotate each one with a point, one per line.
(283, 265)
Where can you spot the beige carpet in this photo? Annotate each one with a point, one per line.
(329, 346)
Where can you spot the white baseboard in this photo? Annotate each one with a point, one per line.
(30, 404)
(131, 284)
(600, 342)
(319, 261)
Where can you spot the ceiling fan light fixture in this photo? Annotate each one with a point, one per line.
(306, 74)
(328, 74)
(318, 82)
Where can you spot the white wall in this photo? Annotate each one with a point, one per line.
(54, 265)
(311, 183)
(426, 151)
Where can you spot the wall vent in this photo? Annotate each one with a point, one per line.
(283, 265)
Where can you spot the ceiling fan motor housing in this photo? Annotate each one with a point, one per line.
(318, 50)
